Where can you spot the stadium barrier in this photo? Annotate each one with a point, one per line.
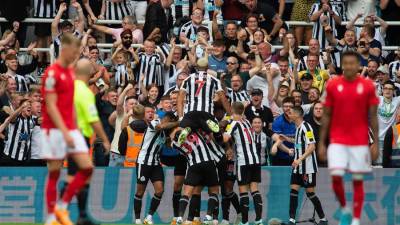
(112, 191)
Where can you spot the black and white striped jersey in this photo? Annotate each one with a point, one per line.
(340, 8)
(151, 67)
(44, 8)
(303, 138)
(195, 149)
(122, 75)
(303, 63)
(153, 140)
(200, 90)
(318, 29)
(261, 145)
(242, 135)
(118, 10)
(57, 42)
(217, 152)
(19, 137)
(394, 67)
(237, 96)
(189, 30)
(181, 8)
(23, 82)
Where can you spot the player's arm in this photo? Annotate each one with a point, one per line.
(181, 102)
(54, 113)
(225, 102)
(166, 126)
(281, 146)
(325, 127)
(373, 109)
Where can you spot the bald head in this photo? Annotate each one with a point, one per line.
(83, 69)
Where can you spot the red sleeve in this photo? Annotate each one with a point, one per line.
(329, 94)
(50, 81)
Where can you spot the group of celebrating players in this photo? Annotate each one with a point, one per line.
(214, 153)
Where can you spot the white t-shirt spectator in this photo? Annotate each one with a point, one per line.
(387, 113)
(366, 7)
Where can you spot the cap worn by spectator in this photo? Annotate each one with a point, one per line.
(383, 69)
(306, 76)
(284, 84)
(257, 91)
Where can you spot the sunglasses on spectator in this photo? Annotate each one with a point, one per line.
(127, 37)
(231, 63)
(388, 88)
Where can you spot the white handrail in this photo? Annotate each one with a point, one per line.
(290, 23)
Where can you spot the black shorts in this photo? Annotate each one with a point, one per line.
(202, 174)
(304, 180)
(179, 162)
(221, 167)
(42, 29)
(144, 173)
(248, 174)
(197, 120)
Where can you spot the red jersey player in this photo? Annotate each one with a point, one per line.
(351, 103)
(60, 135)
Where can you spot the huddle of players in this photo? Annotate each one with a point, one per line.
(208, 146)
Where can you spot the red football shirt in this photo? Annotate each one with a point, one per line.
(59, 80)
(350, 102)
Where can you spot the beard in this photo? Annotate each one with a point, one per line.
(127, 44)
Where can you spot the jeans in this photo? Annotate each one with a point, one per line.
(139, 9)
(116, 160)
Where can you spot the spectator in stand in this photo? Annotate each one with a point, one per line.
(233, 10)
(188, 31)
(314, 118)
(314, 49)
(348, 43)
(232, 69)
(300, 12)
(117, 10)
(387, 115)
(257, 109)
(149, 95)
(21, 69)
(364, 53)
(379, 33)
(128, 23)
(93, 8)
(324, 14)
(267, 17)
(23, 81)
(230, 37)
(158, 15)
(306, 82)
(236, 93)
(371, 70)
(100, 78)
(394, 66)
(276, 98)
(390, 12)
(319, 76)
(59, 28)
(360, 7)
(382, 76)
(139, 9)
(283, 125)
(106, 101)
(217, 60)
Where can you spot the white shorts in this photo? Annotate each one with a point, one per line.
(55, 147)
(355, 159)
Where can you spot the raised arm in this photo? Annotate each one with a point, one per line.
(168, 62)
(384, 25)
(12, 35)
(81, 21)
(100, 28)
(56, 21)
(89, 10)
(121, 99)
(350, 25)
(216, 32)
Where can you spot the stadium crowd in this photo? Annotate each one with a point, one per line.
(138, 86)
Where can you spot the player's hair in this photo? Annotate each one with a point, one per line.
(69, 39)
(237, 108)
(350, 54)
(138, 112)
(299, 110)
(288, 100)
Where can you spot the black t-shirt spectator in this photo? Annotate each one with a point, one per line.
(265, 15)
(105, 109)
(304, 97)
(264, 113)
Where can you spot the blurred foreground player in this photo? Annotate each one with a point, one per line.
(349, 98)
(60, 135)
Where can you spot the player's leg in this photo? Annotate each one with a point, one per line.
(294, 197)
(243, 182)
(157, 179)
(212, 205)
(194, 206)
(255, 193)
(338, 159)
(360, 163)
(142, 178)
(310, 192)
(229, 198)
(54, 167)
(179, 176)
(184, 201)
